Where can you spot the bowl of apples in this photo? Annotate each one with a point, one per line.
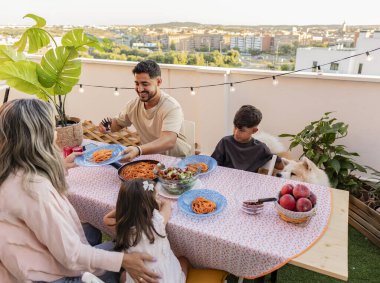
(296, 203)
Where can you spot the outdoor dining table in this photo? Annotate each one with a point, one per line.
(245, 245)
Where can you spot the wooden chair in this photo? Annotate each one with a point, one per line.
(206, 276)
(267, 168)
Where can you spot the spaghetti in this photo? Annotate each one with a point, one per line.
(101, 155)
(195, 166)
(201, 205)
(139, 170)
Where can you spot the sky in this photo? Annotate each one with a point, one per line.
(231, 12)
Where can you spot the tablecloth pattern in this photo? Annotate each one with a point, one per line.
(244, 245)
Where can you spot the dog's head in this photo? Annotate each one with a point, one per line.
(304, 171)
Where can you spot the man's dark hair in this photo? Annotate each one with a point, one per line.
(148, 66)
(247, 116)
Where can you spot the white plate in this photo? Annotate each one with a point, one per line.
(162, 192)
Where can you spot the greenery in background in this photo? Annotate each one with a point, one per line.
(59, 69)
(213, 58)
(363, 265)
(318, 142)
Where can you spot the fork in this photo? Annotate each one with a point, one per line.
(107, 122)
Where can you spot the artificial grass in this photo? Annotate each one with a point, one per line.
(363, 265)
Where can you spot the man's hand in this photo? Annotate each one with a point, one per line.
(131, 152)
(133, 263)
(69, 160)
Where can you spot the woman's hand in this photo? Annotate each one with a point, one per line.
(69, 160)
(133, 263)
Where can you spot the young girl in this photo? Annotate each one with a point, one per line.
(139, 221)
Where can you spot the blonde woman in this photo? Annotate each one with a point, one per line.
(41, 238)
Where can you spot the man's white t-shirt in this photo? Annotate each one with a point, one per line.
(167, 115)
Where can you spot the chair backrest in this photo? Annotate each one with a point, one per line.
(189, 129)
(88, 277)
(270, 165)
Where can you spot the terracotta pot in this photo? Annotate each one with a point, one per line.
(71, 135)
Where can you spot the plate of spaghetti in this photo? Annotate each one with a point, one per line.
(201, 203)
(101, 155)
(205, 164)
(139, 169)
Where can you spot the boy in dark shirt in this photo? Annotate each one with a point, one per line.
(241, 150)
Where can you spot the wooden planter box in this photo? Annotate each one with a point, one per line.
(364, 219)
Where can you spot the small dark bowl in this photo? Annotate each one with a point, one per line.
(120, 170)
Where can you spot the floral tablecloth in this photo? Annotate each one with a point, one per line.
(244, 245)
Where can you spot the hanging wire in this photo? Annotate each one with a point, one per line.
(192, 91)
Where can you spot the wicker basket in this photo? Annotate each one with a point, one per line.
(71, 135)
(294, 217)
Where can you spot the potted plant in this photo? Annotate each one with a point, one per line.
(53, 77)
(318, 142)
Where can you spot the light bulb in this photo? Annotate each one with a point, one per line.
(369, 57)
(116, 92)
(232, 88)
(81, 89)
(275, 81)
(192, 91)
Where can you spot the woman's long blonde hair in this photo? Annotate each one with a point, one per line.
(27, 143)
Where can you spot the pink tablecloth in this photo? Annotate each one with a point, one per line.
(244, 245)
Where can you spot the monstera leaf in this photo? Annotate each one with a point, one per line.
(78, 39)
(22, 75)
(59, 69)
(9, 54)
(34, 36)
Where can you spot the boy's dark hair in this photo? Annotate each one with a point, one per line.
(247, 116)
(134, 213)
(147, 66)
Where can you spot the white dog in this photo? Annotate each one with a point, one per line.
(305, 171)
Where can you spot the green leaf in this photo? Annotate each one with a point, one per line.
(40, 22)
(334, 164)
(286, 135)
(77, 39)
(9, 54)
(346, 165)
(22, 76)
(35, 37)
(59, 69)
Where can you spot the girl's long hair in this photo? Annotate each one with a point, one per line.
(134, 213)
(27, 143)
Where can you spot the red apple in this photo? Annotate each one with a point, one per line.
(303, 205)
(313, 198)
(288, 202)
(286, 189)
(301, 191)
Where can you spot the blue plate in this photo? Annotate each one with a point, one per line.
(185, 200)
(211, 162)
(85, 159)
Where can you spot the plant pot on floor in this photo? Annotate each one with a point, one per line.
(71, 135)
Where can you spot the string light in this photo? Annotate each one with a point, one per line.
(369, 57)
(232, 88)
(116, 92)
(319, 70)
(192, 91)
(275, 81)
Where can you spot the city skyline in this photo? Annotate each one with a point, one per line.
(119, 12)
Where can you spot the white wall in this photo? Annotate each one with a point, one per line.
(287, 108)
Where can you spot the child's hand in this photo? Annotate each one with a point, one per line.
(110, 219)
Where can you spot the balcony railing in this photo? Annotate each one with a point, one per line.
(287, 108)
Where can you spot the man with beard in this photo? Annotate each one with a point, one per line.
(157, 117)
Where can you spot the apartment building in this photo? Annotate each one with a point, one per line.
(363, 64)
(246, 43)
